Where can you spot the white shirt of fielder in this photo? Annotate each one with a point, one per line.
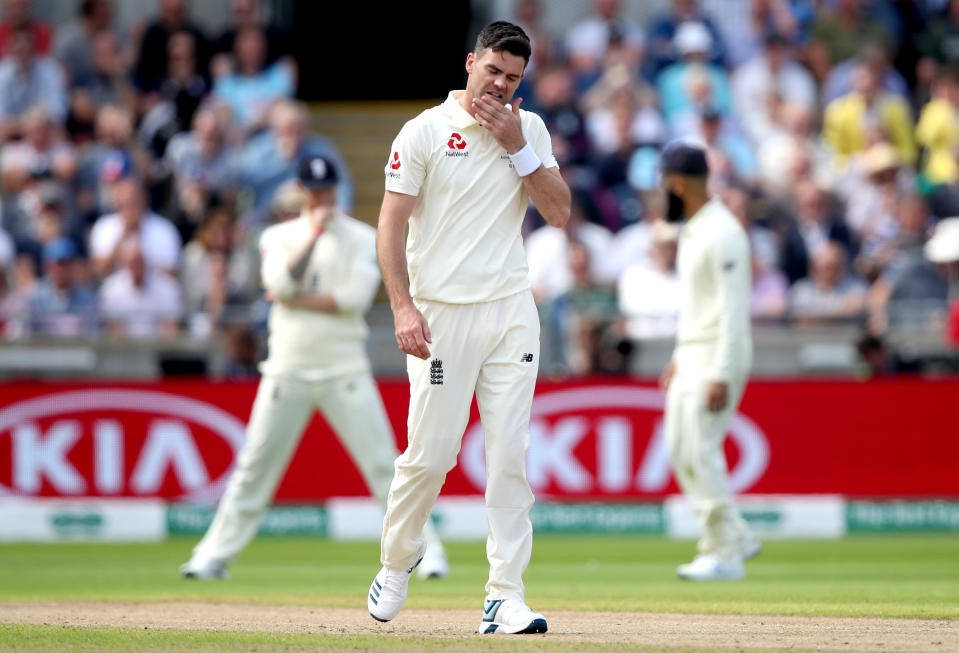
(464, 244)
(715, 281)
(314, 345)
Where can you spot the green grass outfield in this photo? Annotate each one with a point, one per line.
(882, 576)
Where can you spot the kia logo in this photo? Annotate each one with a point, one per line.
(560, 422)
(396, 161)
(90, 443)
(456, 142)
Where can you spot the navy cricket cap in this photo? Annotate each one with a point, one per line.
(684, 158)
(317, 172)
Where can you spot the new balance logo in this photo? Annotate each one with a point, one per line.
(527, 358)
(436, 372)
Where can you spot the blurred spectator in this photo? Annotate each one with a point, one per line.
(138, 301)
(876, 359)
(528, 15)
(180, 93)
(16, 17)
(287, 202)
(769, 298)
(942, 249)
(632, 244)
(39, 215)
(73, 45)
(588, 40)
(662, 36)
(63, 303)
(555, 101)
(242, 351)
(938, 129)
(216, 275)
(910, 293)
(840, 29)
(253, 83)
(743, 25)
(938, 43)
(792, 151)
(272, 157)
(547, 253)
(15, 292)
(842, 77)
(26, 79)
(204, 168)
(860, 118)
(692, 83)
(153, 61)
(247, 14)
(115, 153)
(621, 112)
(42, 153)
(817, 226)
(730, 155)
(648, 292)
(768, 80)
(158, 242)
(830, 294)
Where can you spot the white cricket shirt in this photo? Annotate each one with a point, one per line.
(464, 244)
(313, 345)
(715, 280)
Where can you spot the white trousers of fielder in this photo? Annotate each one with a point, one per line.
(283, 407)
(694, 437)
(491, 349)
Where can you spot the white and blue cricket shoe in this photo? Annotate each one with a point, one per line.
(388, 592)
(510, 617)
(708, 566)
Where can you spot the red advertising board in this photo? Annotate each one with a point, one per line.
(592, 439)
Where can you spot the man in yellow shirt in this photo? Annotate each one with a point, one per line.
(938, 129)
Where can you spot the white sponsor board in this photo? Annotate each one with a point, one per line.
(455, 518)
(101, 520)
(769, 516)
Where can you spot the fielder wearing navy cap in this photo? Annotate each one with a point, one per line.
(684, 169)
(317, 172)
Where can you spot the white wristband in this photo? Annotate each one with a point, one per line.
(525, 161)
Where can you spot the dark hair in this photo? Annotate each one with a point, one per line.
(500, 35)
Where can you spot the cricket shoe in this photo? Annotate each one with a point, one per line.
(388, 592)
(510, 617)
(708, 566)
(204, 570)
(434, 564)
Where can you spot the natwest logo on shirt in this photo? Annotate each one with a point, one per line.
(394, 165)
(456, 145)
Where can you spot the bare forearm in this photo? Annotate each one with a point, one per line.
(299, 262)
(550, 194)
(391, 253)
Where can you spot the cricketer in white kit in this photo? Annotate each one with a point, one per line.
(461, 176)
(320, 269)
(706, 377)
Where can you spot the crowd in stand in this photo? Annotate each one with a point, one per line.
(832, 131)
(138, 166)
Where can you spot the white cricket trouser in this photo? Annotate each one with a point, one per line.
(694, 436)
(283, 407)
(491, 349)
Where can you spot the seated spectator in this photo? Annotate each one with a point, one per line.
(153, 61)
(876, 359)
(662, 36)
(42, 153)
(588, 40)
(271, 158)
(216, 274)
(841, 29)
(842, 77)
(850, 122)
(28, 79)
(39, 215)
(693, 82)
(73, 45)
(817, 224)
(632, 244)
(246, 14)
(730, 155)
(555, 101)
(108, 80)
(743, 26)
(547, 253)
(938, 129)
(774, 73)
(204, 167)
(830, 294)
(115, 153)
(17, 16)
(138, 301)
(63, 303)
(546, 46)
(178, 96)
(16, 289)
(242, 351)
(621, 112)
(253, 84)
(158, 241)
(649, 292)
(792, 151)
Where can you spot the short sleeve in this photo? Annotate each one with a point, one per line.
(538, 136)
(406, 168)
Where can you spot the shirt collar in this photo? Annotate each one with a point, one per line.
(461, 117)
